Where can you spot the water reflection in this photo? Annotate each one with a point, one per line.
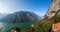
(1, 26)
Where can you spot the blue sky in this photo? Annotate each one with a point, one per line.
(40, 7)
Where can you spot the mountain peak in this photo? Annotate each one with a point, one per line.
(21, 16)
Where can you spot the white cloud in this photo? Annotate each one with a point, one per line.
(10, 6)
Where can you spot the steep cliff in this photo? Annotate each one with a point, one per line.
(54, 9)
(51, 17)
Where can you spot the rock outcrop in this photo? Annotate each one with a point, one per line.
(54, 9)
(48, 24)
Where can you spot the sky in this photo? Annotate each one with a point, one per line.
(39, 7)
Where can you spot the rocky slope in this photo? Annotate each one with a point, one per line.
(20, 17)
(53, 9)
(51, 17)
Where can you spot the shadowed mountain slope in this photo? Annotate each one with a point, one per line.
(20, 17)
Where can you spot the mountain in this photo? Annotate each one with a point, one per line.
(54, 9)
(2, 15)
(53, 13)
(20, 17)
(52, 17)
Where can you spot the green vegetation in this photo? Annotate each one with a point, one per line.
(43, 26)
(57, 19)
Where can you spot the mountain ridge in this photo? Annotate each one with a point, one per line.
(22, 16)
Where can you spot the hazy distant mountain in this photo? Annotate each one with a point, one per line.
(22, 16)
(2, 15)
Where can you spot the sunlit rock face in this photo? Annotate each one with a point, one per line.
(54, 7)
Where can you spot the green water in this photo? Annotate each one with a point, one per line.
(4, 27)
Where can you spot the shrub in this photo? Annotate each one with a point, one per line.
(43, 26)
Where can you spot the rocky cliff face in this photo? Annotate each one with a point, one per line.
(52, 17)
(54, 9)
